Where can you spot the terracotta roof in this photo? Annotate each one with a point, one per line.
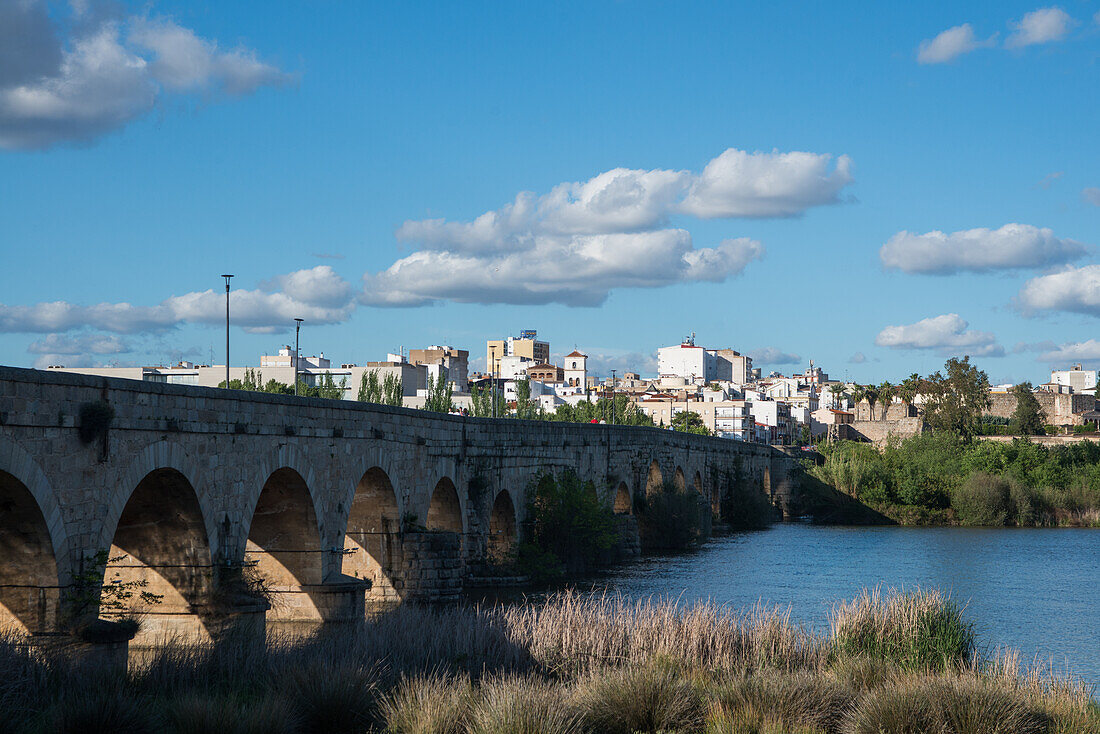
(576, 354)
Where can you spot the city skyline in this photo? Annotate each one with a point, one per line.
(414, 176)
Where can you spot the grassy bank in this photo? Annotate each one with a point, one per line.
(903, 663)
(938, 479)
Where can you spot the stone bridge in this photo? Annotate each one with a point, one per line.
(249, 508)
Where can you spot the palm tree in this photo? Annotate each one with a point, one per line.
(886, 393)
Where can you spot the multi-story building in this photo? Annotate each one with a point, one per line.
(688, 361)
(525, 345)
(732, 366)
(454, 361)
(703, 365)
(1078, 379)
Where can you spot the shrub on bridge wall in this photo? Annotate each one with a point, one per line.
(674, 519)
(570, 531)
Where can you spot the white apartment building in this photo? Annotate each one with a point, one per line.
(1079, 380)
(701, 365)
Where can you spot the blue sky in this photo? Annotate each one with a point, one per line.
(238, 140)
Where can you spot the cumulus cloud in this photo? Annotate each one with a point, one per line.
(740, 184)
(857, 358)
(579, 241)
(773, 355)
(1091, 195)
(79, 344)
(978, 250)
(1075, 290)
(78, 350)
(1044, 25)
(106, 73)
(946, 334)
(949, 45)
(317, 295)
(1072, 352)
(575, 271)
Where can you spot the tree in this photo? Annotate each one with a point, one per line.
(486, 402)
(956, 401)
(439, 394)
(1027, 419)
(393, 392)
(909, 388)
(329, 389)
(370, 390)
(687, 421)
(886, 392)
(839, 391)
(526, 408)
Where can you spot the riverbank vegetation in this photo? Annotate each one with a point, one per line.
(892, 664)
(941, 478)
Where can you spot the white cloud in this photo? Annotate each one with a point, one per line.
(1072, 352)
(978, 250)
(773, 355)
(949, 45)
(947, 334)
(1076, 290)
(79, 344)
(106, 74)
(79, 350)
(741, 184)
(857, 358)
(575, 271)
(317, 295)
(1091, 195)
(1044, 25)
(184, 62)
(583, 239)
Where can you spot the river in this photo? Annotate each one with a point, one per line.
(1037, 590)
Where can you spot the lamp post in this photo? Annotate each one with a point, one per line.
(227, 279)
(612, 397)
(492, 382)
(297, 328)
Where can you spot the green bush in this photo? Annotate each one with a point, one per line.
(674, 519)
(920, 478)
(570, 529)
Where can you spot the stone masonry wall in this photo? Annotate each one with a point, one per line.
(224, 447)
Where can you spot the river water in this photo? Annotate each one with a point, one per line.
(1037, 590)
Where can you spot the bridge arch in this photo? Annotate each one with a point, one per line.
(697, 483)
(160, 542)
(445, 508)
(371, 543)
(21, 466)
(654, 481)
(502, 527)
(152, 457)
(678, 480)
(624, 503)
(29, 579)
(283, 545)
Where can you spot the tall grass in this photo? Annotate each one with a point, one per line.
(891, 662)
